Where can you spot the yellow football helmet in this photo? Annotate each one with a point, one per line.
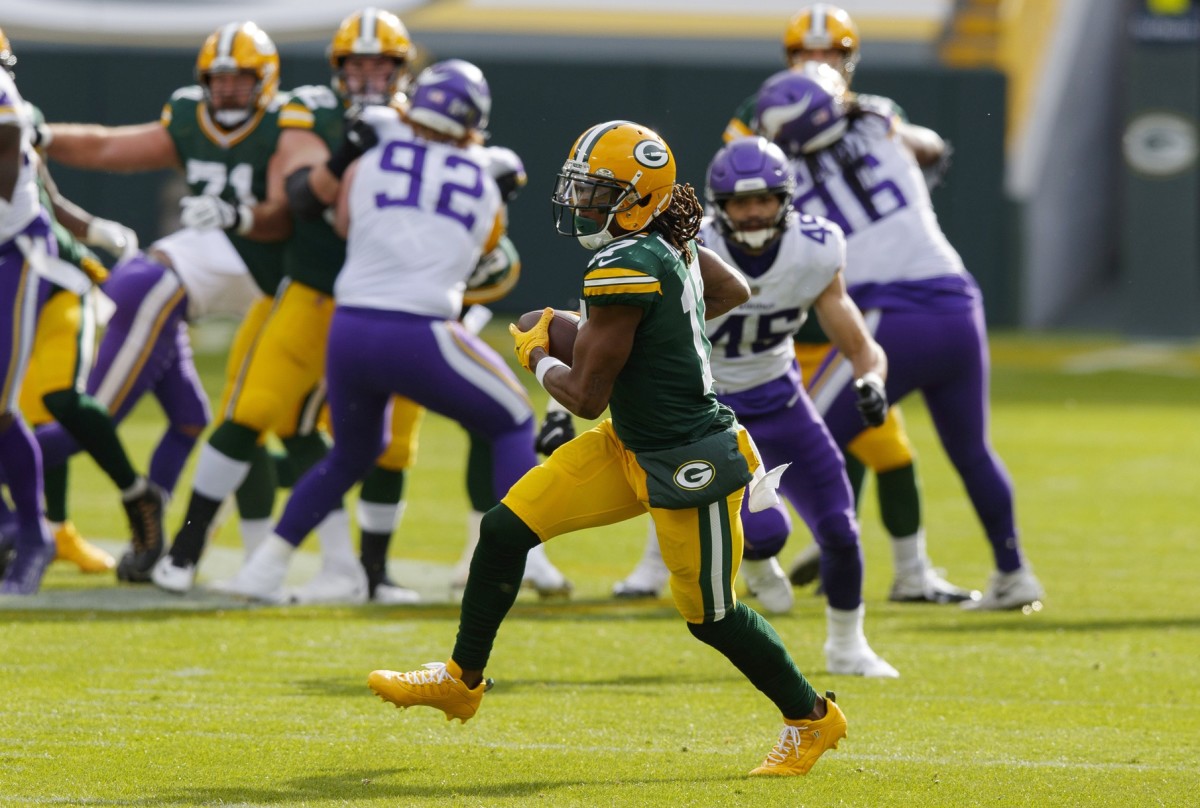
(618, 171)
(822, 27)
(239, 47)
(371, 32)
(7, 60)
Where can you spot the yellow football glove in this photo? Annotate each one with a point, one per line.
(536, 337)
(95, 270)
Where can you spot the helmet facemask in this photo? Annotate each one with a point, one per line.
(750, 167)
(233, 117)
(238, 48)
(823, 33)
(369, 85)
(585, 205)
(370, 32)
(754, 235)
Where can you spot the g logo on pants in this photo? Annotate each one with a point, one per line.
(694, 475)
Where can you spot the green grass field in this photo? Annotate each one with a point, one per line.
(118, 695)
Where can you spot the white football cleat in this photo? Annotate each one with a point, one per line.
(1018, 589)
(347, 586)
(543, 576)
(767, 582)
(257, 580)
(393, 595)
(929, 586)
(171, 578)
(857, 660)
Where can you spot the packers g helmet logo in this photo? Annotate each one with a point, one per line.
(694, 475)
(651, 154)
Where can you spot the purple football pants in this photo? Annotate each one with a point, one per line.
(22, 294)
(936, 342)
(374, 354)
(787, 429)
(145, 349)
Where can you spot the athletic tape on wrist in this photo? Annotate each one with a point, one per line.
(545, 366)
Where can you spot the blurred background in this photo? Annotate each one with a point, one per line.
(1073, 196)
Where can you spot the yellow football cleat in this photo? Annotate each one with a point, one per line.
(437, 686)
(71, 546)
(802, 742)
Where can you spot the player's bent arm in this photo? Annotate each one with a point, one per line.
(843, 322)
(725, 288)
(141, 147)
(68, 214)
(601, 350)
(272, 216)
(925, 144)
(324, 184)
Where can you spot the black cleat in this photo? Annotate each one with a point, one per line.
(146, 521)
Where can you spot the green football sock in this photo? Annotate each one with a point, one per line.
(235, 441)
(755, 649)
(900, 500)
(480, 487)
(492, 587)
(383, 486)
(89, 423)
(256, 495)
(304, 451)
(55, 483)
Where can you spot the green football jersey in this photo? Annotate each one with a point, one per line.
(230, 164)
(663, 397)
(315, 253)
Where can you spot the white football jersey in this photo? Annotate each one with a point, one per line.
(23, 208)
(420, 214)
(216, 278)
(752, 344)
(869, 184)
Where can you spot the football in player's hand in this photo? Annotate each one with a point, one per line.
(564, 326)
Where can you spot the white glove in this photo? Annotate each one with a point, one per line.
(207, 212)
(114, 237)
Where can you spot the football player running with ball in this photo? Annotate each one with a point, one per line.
(641, 351)
(824, 36)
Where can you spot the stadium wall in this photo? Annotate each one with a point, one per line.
(541, 104)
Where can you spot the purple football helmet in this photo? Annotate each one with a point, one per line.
(451, 97)
(744, 167)
(799, 112)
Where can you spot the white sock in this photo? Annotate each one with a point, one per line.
(844, 628)
(217, 474)
(139, 487)
(909, 557)
(275, 550)
(254, 532)
(337, 551)
(379, 517)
